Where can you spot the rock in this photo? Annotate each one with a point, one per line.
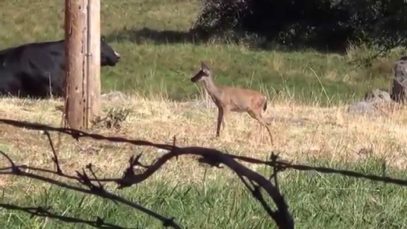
(114, 96)
(379, 101)
(375, 102)
(399, 87)
(362, 107)
(377, 95)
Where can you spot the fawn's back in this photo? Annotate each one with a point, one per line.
(241, 99)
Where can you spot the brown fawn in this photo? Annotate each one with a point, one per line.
(234, 99)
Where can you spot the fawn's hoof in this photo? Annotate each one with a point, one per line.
(215, 137)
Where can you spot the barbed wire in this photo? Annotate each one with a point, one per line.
(87, 181)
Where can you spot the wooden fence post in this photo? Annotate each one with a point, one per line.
(94, 84)
(82, 67)
(75, 33)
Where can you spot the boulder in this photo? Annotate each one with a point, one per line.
(377, 95)
(379, 101)
(361, 107)
(373, 103)
(399, 86)
(114, 97)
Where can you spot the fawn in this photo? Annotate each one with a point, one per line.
(234, 99)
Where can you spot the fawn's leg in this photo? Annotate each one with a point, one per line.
(259, 118)
(224, 120)
(220, 120)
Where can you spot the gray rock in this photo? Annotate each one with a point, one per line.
(114, 96)
(373, 104)
(377, 101)
(377, 96)
(362, 107)
(399, 87)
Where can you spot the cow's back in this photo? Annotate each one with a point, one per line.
(36, 68)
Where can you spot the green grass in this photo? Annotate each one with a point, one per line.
(315, 200)
(153, 66)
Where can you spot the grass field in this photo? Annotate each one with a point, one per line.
(157, 60)
(213, 198)
(309, 92)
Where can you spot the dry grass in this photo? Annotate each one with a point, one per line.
(300, 132)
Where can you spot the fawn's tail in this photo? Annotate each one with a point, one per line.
(267, 120)
(265, 104)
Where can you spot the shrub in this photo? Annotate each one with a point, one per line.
(322, 24)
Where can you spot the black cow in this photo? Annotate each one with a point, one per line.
(36, 70)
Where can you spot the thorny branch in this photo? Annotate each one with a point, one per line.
(77, 134)
(252, 180)
(212, 157)
(92, 189)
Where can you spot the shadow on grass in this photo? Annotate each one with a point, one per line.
(157, 36)
(172, 36)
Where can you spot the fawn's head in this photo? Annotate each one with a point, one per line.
(202, 74)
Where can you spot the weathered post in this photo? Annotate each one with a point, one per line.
(82, 67)
(75, 34)
(94, 85)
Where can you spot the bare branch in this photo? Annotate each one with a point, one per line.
(215, 158)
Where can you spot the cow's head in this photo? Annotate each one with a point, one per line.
(108, 55)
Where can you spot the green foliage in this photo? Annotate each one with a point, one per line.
(160, 66)
(220, 17)
(321, 24)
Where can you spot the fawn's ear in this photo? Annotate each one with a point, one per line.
(204, 66)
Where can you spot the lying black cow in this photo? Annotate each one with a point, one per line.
(36, 70)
